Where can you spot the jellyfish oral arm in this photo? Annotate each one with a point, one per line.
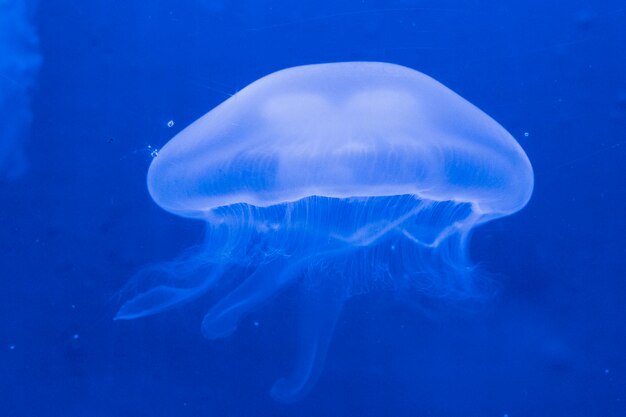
(221, 321)
(319, 309)
(163, 297)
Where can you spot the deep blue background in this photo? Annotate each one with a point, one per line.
(80, 222)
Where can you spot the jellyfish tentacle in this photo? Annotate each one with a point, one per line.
(264, 283)
(321, 306)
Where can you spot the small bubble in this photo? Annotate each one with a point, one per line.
(12, 347)
(154, 152)
(256, 324)
(606, 371)
(170, 123)
(76, 336)
(526, 134)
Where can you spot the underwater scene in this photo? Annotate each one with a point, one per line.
(332, 208)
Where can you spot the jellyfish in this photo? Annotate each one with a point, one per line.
(334, 179)
(19, 62)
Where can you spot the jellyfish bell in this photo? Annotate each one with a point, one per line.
(341, 176)
(341, 130)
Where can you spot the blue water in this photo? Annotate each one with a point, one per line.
(109, 83)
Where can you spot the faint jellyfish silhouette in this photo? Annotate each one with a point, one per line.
(342, 177)
(19, 62)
